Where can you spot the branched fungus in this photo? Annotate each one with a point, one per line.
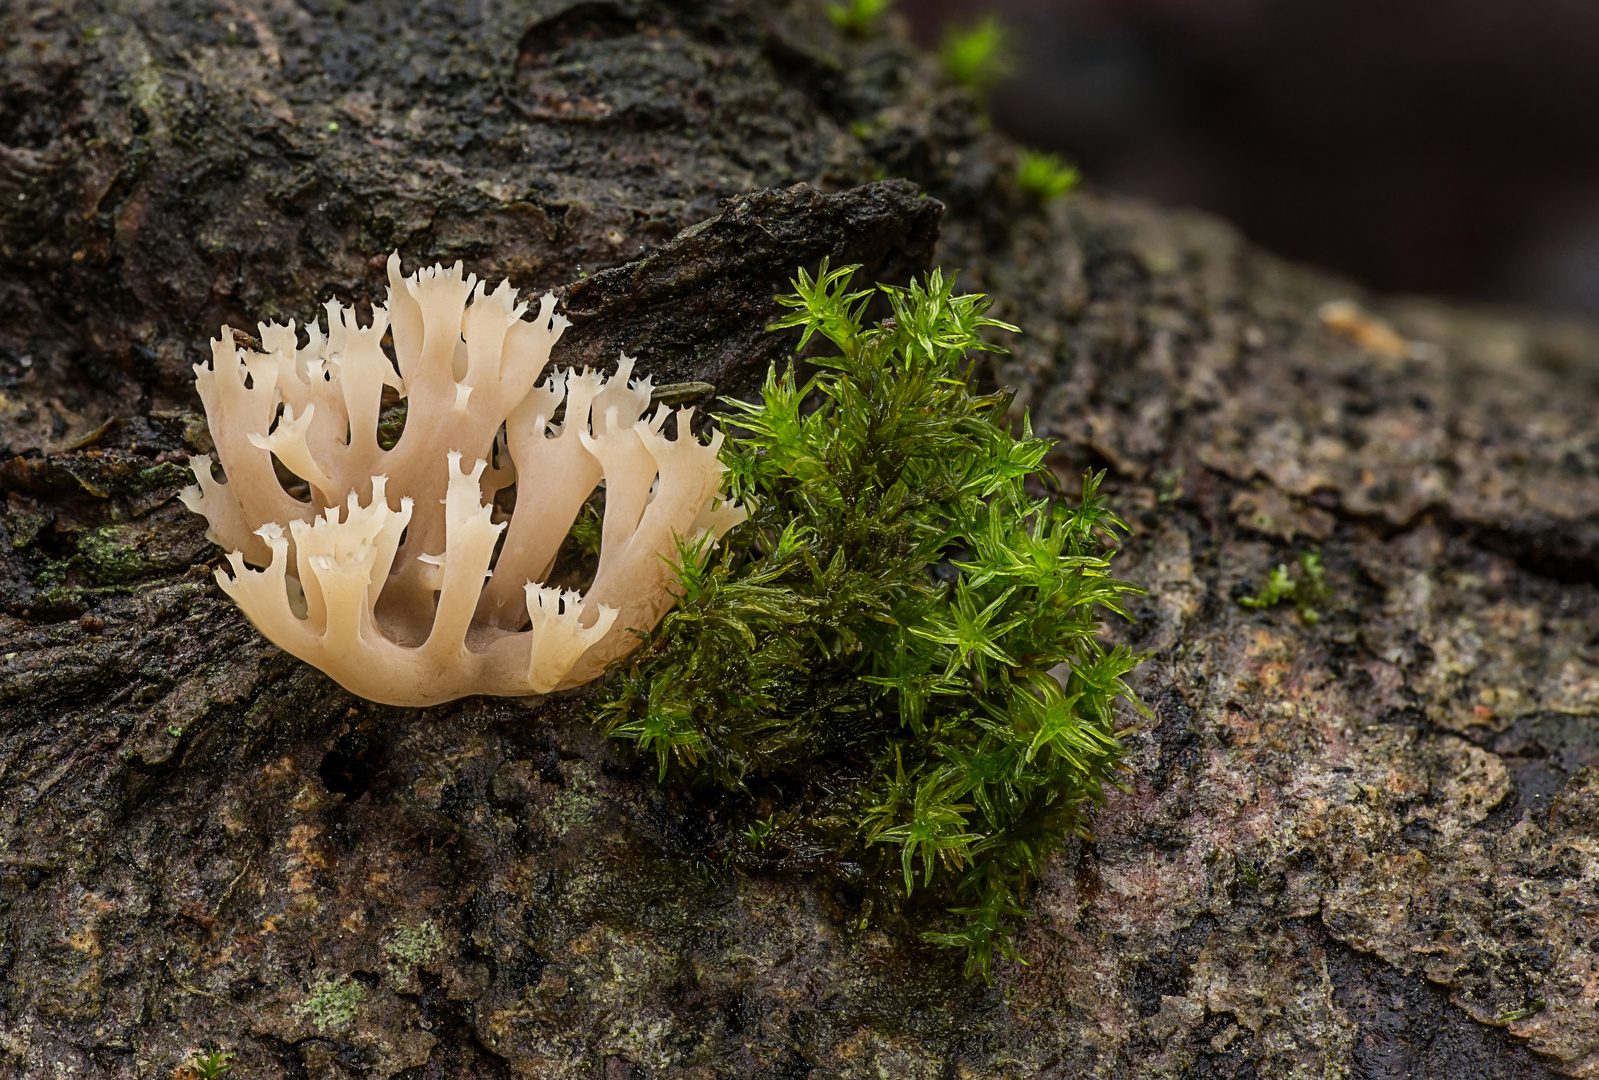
(394, 572)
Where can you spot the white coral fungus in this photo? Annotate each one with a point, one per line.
(397, 575)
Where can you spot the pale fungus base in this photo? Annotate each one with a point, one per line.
(392, 576)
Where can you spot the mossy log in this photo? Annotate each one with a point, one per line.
(1365, 845)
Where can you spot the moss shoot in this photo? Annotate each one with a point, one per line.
(858, 18)
(1045, 176)
(896, 656)
(1304, 590)
(977, 56)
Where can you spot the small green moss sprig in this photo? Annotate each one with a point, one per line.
(977, 56)
(1304, 590)
(899, 647)
(760, 832)
(205, 1065)
(857, 18)
(1045, 176)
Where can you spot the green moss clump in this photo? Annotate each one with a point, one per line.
(413, 946)
(113, 554)
(332, 1003)
(897, 653)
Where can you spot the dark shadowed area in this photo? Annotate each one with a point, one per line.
(1434, 146)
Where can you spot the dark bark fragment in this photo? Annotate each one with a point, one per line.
(698, 306)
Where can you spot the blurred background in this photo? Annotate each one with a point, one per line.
(1448, 147)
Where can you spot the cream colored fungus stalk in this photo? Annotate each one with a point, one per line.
(387, 577)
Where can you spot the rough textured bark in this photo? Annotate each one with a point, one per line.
(1367, 845)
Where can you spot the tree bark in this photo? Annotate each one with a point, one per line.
(1364, 844)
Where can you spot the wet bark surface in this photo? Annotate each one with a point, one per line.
(1365, 844)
